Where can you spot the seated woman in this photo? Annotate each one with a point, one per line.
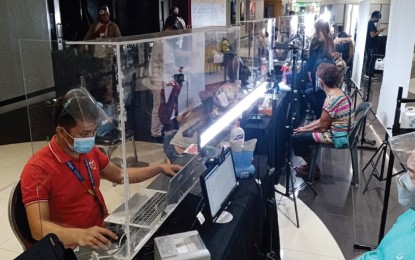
(334, 118)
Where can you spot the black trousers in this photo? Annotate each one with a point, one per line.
(301, 144)
(370, 63)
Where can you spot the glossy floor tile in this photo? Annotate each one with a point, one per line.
(331, 221)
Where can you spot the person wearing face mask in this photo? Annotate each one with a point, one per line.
(104, 27)
(61, 182)
(398, 243)
(335, 117)
(372, 41)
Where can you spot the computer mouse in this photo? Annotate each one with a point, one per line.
(118, 230)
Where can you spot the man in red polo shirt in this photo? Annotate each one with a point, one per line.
(60, 183)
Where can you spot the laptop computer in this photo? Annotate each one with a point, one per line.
(147, 206)
(218, 183)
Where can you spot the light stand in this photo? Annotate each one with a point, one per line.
(289, 182)
(389, 173)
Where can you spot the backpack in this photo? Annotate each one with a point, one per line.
(244, 73)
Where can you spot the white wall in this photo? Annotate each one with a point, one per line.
(209, 13)
(398, 58)
(359, 52)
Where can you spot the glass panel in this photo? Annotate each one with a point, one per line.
(257, 38)
(168, 85)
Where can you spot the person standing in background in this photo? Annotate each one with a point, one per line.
(174, 20)
(104, 27)
(162, 68)
(321, 51)
(372, 41)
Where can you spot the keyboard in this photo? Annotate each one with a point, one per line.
(150, 210)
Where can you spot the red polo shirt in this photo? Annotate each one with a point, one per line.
(47, 177)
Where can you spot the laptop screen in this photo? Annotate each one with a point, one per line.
(217, 183)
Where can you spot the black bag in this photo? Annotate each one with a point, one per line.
(166, 109)
(244, 73)
(48, 248)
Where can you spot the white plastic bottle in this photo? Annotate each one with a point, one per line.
(237, 134)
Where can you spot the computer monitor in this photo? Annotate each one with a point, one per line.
(218, 182)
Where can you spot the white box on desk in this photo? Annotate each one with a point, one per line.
(181, 246)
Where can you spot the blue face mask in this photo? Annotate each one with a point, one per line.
(81, 144)
(406, 191)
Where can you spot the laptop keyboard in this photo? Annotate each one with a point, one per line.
(150, 210)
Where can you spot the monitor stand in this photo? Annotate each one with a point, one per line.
(224, 217)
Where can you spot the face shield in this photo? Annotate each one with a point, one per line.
(83, 108)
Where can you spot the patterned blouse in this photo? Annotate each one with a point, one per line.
(338, 108)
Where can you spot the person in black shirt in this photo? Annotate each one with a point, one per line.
(174, 20)
(372, 40)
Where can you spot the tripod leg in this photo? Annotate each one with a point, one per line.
(290, 177)
(271, 244)
(367, 183)
(381, 147)
(374, 165)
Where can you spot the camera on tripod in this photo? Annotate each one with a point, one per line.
(179, 78)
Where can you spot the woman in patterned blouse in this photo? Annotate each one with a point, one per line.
(334, 118)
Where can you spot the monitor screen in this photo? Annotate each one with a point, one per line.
(217, 183)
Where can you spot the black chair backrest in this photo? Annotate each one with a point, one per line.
(18, 218)
(360, 113)
(113, 138)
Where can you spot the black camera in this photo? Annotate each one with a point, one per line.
(179, 78)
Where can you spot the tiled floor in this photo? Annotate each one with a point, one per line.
(349, 215)
(330, 222)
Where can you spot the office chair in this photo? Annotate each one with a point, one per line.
(360, 114)
(18, 218)
(109, 142)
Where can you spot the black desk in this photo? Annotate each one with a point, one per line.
(271, 132)
(245, 237)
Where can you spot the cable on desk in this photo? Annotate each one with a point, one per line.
(201, 204)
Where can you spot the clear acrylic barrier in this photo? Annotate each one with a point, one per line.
(257, 39)
(403, 146)
(288, 28)
(127, 75)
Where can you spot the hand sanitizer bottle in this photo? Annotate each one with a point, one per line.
(237, 134)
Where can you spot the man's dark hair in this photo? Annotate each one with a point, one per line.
(343, 35)
(329, 74)
(376, 14)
